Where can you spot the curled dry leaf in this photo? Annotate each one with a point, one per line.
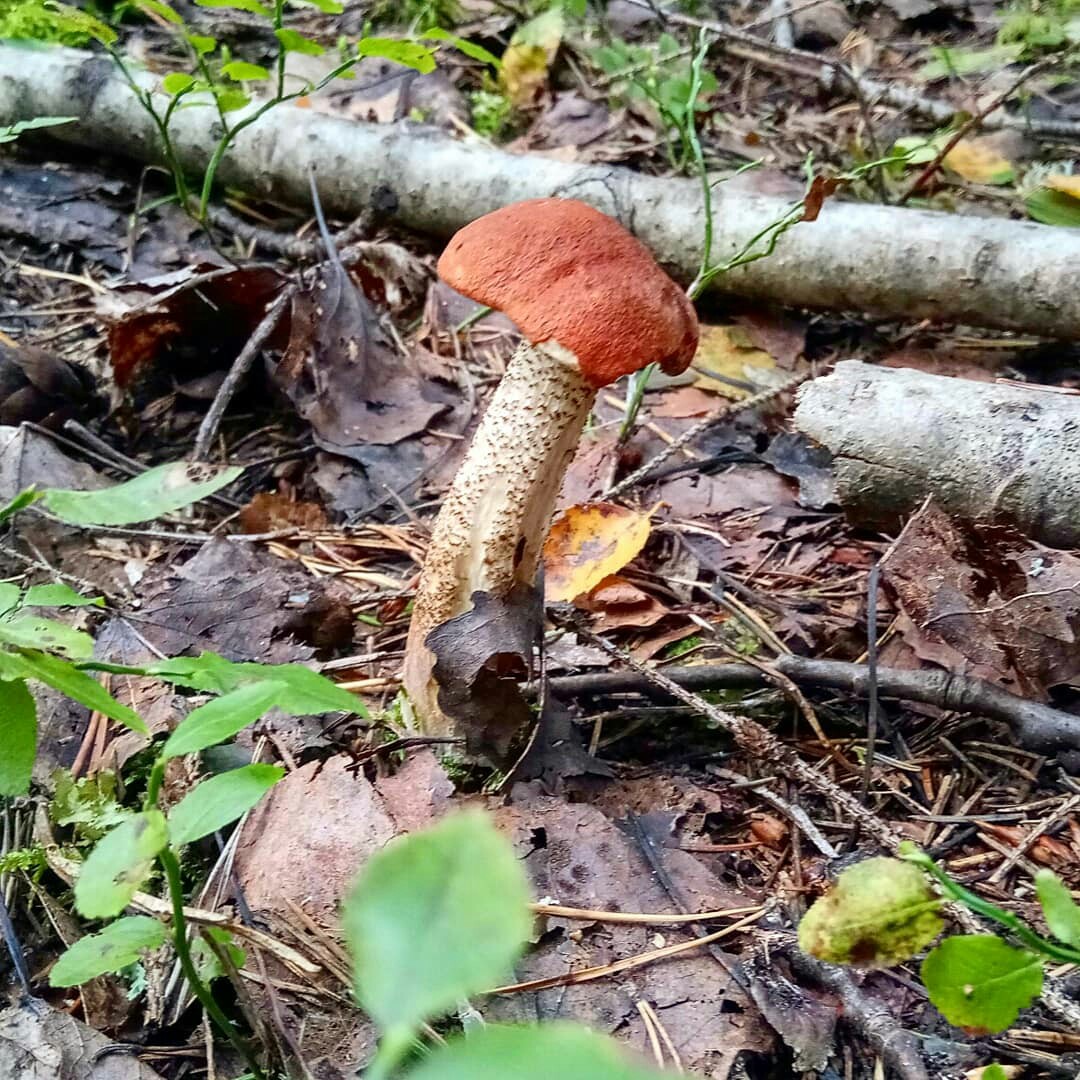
(587, 544)
(619, 603)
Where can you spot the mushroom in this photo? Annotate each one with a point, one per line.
(592, 305)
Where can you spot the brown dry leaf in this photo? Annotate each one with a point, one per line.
(268, 512)
(682, 403)
(579, 857)
(620, 603)
(744, 487)
(588, 543)
(769, 830)
(38, 1042)
(40, 386)
(727, 363)
(987, 601)
(344, 376)
(981, 161)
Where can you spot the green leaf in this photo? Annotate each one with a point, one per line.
(206, 960)
(329, 7)
(994, 1072)
(157, 491)
(469, 48)
(948, 62)
(879, 912)
(242, 71)
(18, 737)
(1061, 910)
(30, 495)
(229, 100)
(69, 680)
(59, 596)
(177, 82)
(32, 632)
(221, 718)
(1053, 207)
(291, 41)
(220, 800)
(201, 43)
(10, 596)
(161, 10)
(237, 5)
(978, 982)
(88, 805)
(434, 917)
(119, 864)
(302, 691)
(507, 1052)
(409, 53)
(10, 133)
(117, 946)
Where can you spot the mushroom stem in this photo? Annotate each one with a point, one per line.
(491, 529)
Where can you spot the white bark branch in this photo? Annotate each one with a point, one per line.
(910, 264)
(984, 451)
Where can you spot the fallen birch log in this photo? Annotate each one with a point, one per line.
(910, 264)
(984, 451)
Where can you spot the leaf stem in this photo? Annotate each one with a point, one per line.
(393, 1047)
(171, 866)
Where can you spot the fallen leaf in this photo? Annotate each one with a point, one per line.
(268, 511)
(523, 73)
(727, 363)
(620, 603)
(980, 161)
(1070, 185)
(985, 600)
(342, 373)
(588, 543)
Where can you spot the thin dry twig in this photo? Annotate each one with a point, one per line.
(238, 372)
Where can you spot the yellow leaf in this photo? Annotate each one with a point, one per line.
(725, 353)
(523, 72)
(588, 543)
(980, 161)
(1069, 185)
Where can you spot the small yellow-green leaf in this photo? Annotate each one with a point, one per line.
(469, 48)
(121, 943)
(177, 82)
(879, 912)
(201, 43)
(328, 7)
(294, 42)
(237, 5)
(1060, 909)
(408, 53)
(161, 10)
(242, 71)
(1053, 207)
(980, 161)
(59, 595)
(119, 864)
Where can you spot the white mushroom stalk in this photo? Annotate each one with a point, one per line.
(592, 305)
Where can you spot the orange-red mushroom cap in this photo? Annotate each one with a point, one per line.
(565, 272)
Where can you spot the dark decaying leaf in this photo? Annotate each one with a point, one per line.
(39, 386)
(985, 600)
(479, 658)
(344, 376)
(185, 323)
